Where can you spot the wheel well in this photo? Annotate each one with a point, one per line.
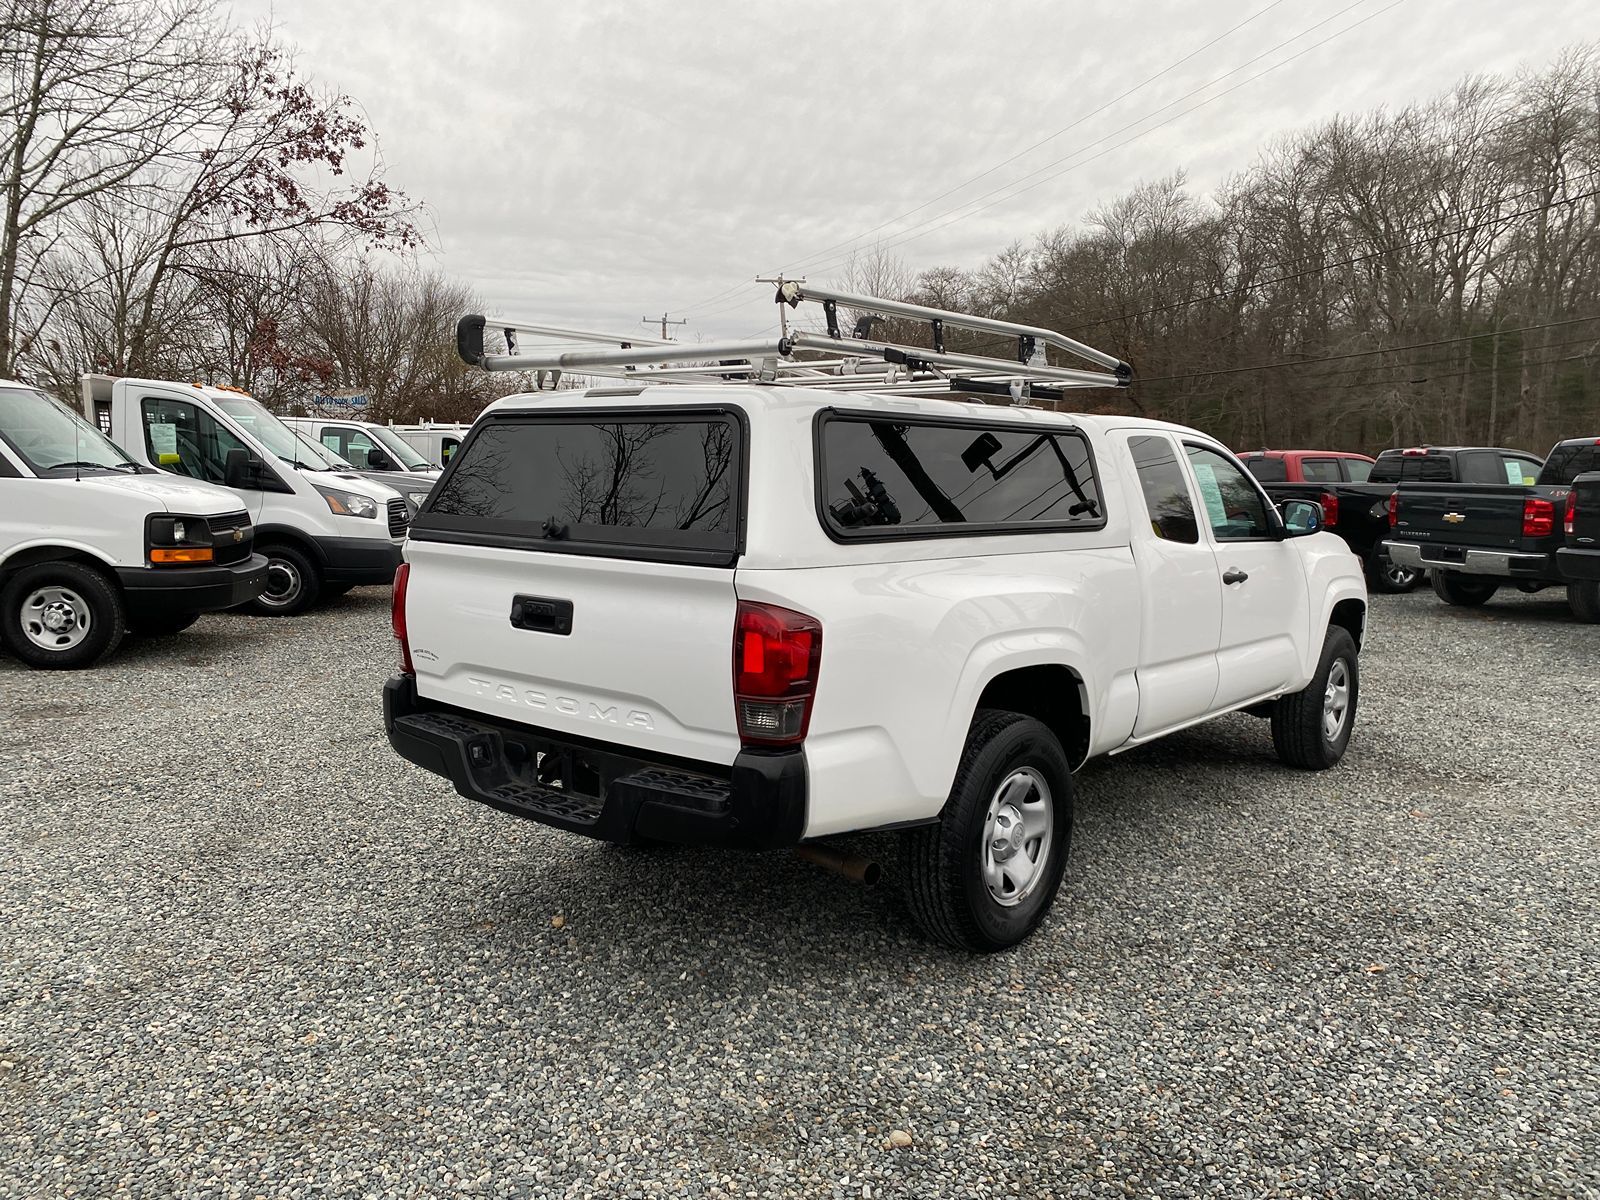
(39, 554)
(1053, 695)
(1350, 615)
(277, 535)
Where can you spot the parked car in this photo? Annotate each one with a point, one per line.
(1356, 510)
(436, 443)
(1476, 538)
(1578, 559)
(91, 546)
(322, 530)
(413, 486)
(935, 611)
(365, 445)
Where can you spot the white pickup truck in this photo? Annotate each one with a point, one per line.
(92, 545)
(760, 615)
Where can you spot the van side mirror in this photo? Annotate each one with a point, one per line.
(1302, 517)
(240, 469)
(981, 452)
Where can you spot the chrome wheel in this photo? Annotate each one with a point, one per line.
(1016, 836)
(1336, 700)
(55, 618)
(284, 583)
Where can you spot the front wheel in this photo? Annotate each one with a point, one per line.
(984, 877)
(60, 615)
(1388, 577)
(293, 583)
(1311, 728)
(1463, 591)
(1584, 597)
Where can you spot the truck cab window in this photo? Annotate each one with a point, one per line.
(1357, 471)
(1166, 492)
(1235, 509)
(1320, 470)
(185, 440)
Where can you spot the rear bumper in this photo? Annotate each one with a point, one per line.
(153, 591)
(1578, 564)
(358, 561)
(595, 789)
(1505, 564)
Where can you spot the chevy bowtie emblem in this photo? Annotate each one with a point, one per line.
(1455, 518)
(238, 535)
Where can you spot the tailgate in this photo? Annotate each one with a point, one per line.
(1478, 516)
(573, 570)
(1585, 531)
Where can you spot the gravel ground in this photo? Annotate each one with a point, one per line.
(246, 950)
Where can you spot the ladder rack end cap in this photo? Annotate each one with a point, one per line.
(469, 339)
(1124, 374)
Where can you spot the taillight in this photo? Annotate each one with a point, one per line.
(1330, 509)
(1394, 508)
(397, 616)
(1538, 517)
(1572, 512)
(776, 653)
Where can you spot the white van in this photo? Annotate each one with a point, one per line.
(365, 445)
(93, 546)
(413, 482)
(323, 531)
(436, 443)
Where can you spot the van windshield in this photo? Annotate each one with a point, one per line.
(50, 437)
(272, 433)
(400, 448)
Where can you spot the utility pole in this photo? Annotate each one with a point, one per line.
(664, 323)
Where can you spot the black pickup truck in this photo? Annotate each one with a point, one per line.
(1356, 507)
(1579, 559)
(1476, 538)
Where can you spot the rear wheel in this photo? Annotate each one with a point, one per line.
(163, 625)
(60, 615)
(1463, 591)
(1584, 597)
(293, 583)
(1388, 577)
(1311, 728)
(984, 877)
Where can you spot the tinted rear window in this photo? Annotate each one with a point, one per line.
(887, 478)
(1421, 468)
(1267, 470)
(667, 487)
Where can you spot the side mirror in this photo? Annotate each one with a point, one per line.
(1302, 517)
(981, 452)
(241, 470)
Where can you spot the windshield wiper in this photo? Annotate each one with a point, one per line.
(98, 466)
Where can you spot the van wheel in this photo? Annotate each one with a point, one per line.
(164, 625)
(984, 877)
(1584, 597)
(60, 615)
(1311, 728)
(293, 583)
(1389, 578)
(1463, 591)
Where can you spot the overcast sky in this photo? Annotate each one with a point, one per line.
(590, 161)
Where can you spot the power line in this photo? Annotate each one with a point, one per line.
(910, 236)
(1006, 162)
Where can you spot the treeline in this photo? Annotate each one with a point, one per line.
(177, 202)
(1431, 274)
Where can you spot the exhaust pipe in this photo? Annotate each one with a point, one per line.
(851, 866)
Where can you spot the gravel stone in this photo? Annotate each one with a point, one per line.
(247, 950)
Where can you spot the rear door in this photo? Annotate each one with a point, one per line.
(574, 571)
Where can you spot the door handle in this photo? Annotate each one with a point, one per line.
(1234, 575)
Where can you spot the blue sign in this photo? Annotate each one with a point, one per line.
(359, 401)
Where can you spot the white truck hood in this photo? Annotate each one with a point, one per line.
(162, 493)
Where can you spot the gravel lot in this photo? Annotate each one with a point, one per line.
(246, 950)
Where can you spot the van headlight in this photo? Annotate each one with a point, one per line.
(348, 504)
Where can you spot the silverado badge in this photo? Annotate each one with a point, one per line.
(1455, 518)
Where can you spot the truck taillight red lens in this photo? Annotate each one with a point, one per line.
(1571, 517)
(397, 616)
(1394, 508)
(776, 655)
(1538, 517)
(1330, 509)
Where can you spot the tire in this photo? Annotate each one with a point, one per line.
(294, 583)
(162, 626)
(61, 615)
(1584, 597)
(1463, 591)
(1389, 578)
(1307, 730)
(947, 889)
